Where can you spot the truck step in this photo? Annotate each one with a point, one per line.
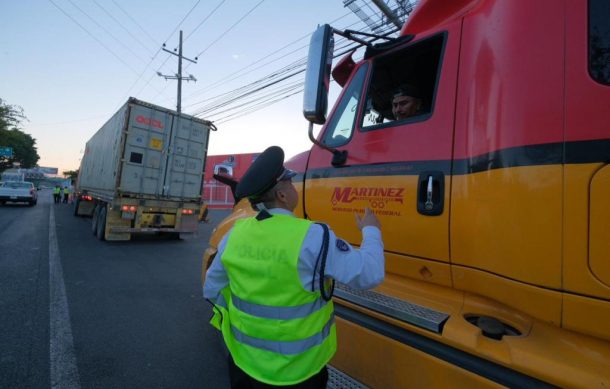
(411, 313)
(339, 380)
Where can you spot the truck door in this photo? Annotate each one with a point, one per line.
(586, 206)
(147, 139)
(186, 157)
(398, 168)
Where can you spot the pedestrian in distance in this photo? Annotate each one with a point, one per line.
(56, 194)
(271, 282)
(66, 194)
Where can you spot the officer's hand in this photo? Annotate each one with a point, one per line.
(369, 219)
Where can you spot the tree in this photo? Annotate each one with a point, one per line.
(23, 145)
(71, 174)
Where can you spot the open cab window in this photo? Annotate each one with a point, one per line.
(412, 72)
(599, 40)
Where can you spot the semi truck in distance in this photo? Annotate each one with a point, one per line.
(494, 196)
(142, 172)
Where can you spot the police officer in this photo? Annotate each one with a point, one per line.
(270, 282)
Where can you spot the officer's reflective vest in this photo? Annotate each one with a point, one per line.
(56, 190)
(277, 332)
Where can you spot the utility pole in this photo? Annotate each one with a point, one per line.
(178, 75)
(388, 12)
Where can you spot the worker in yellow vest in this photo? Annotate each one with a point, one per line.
(271, 282)
(66, 194)
(56, 194)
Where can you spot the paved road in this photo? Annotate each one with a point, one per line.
(80, 313)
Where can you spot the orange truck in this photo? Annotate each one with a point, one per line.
(494, 198)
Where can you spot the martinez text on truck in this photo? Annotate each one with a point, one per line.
(494, 199)
(142, 172)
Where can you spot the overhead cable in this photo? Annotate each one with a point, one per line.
(230, 28)
(204, 19)
(122, 26)
(94, 37)
(107, 32)
(236, 99)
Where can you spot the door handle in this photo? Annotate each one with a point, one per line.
(431, 193)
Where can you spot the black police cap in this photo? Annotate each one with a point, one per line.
(266, 171)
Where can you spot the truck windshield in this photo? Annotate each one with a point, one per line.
(341, 125)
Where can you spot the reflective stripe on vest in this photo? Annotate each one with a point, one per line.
(286, 348)
(278, 313)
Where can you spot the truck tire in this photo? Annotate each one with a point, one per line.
(94, 220)
(101, 224)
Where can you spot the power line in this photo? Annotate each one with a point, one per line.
(264, 97)
(94, 37)
(236, 99)
(232, 95)
(182, 21)
(254, 109)
(135, 22)
(155, 55)
(230, 28)
(107, 32)
(121, 25)
(230, 77)
(225, 32)
(178, 75)
(204, 19)
(212, 109)
(166, 59)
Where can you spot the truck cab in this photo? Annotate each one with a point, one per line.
(493, 196)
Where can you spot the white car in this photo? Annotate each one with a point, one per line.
(18, 191)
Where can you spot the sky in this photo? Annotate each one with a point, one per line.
(70, 64)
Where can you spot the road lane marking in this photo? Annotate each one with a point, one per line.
(64, 371)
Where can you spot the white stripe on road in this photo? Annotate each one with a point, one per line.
(64, 372)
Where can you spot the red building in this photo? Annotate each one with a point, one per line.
(218, 195)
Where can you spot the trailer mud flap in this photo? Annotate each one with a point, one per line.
(114, 221)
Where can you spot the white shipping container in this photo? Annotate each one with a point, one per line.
(146, 151)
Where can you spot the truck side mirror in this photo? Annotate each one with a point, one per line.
(317, 76)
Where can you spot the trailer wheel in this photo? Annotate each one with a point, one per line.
(96, 211)
(101, 224)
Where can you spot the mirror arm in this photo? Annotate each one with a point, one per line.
(339, 156)
(349, 34)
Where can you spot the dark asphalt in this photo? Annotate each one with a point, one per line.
(136, 312)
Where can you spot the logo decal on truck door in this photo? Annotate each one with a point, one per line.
(378, 198)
